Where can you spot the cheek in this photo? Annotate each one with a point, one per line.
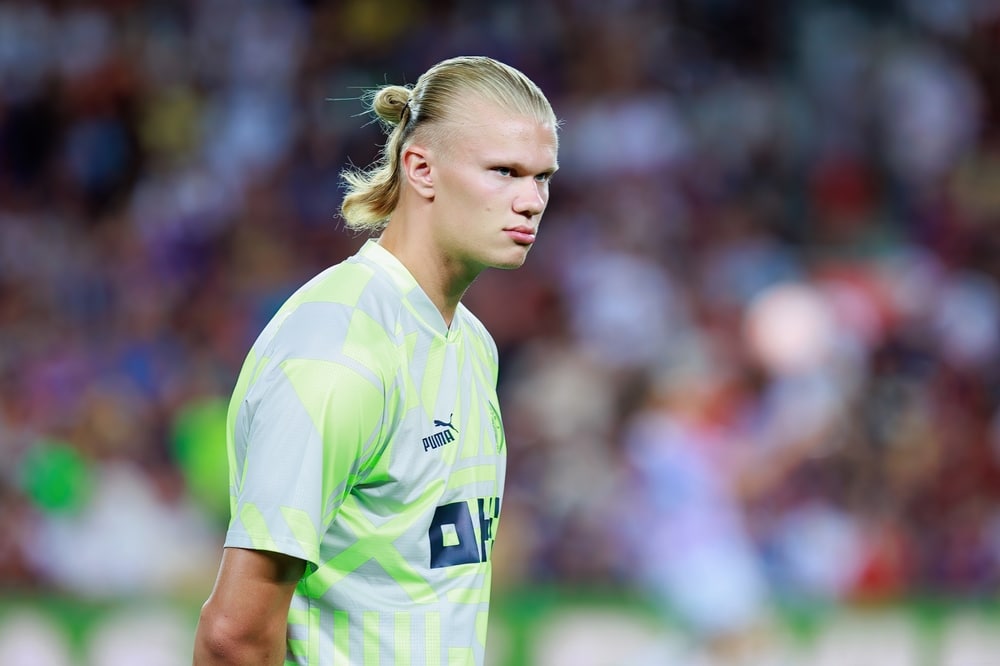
(487, 197)
(479, 195)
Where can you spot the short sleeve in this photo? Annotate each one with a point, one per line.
(306, 431)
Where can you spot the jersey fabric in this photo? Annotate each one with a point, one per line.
(365, 438)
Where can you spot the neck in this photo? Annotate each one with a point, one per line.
(442, 278)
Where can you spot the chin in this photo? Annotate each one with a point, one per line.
(508, 266)
(511, 261)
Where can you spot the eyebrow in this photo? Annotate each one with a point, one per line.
(520, 167)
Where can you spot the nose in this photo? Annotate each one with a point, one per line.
(531, 198)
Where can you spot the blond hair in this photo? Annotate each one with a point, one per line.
(373, 193)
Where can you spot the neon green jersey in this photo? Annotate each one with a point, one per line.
(365, 438)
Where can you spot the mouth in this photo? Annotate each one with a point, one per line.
(522, 235)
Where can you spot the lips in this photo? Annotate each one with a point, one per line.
(521, 235)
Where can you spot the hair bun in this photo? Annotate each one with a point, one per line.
(390, 102)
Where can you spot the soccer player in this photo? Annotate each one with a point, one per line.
(366, 449)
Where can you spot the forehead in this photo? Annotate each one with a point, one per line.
(495, 132)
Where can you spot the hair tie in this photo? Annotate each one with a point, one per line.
(406, 112)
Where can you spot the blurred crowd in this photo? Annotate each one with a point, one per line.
(754, 355)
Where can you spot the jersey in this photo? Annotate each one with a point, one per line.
(365, 438)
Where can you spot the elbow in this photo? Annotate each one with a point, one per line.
(215, 642)
(220, 640)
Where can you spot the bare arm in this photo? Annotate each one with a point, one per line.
(245, 618)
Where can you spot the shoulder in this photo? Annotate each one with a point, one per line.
(477, 331)
(345, 312)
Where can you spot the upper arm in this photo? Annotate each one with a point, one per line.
(245, 617)
(312, 429)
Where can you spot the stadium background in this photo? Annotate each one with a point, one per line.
(759, 334)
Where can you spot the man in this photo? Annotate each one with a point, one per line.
(366, 450)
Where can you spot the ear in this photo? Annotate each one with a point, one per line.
(416, 165)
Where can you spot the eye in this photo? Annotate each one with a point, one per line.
(544, 177)
(504, 171)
